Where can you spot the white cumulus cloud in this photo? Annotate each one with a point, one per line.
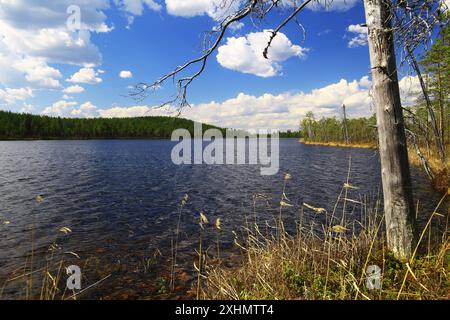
(409, 89)
(74, 89)
(136, 7)
(125, 112)
(333, 5)
(59, 108)
(85, 75)
(267, 111)
(26, 108)
(34, 36)
(218, 9)
(64, 108)
(245, 111)
(38, 73)
(10, 96)
(125, 74)
(245, 54)
(359, 35)
(283, 111)
(86, 110)
(191, 8)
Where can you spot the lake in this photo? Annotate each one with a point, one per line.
(121, 200)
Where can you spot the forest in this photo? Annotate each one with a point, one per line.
(26, 126)
(341, 131)
(427, 122)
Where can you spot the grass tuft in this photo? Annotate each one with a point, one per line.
(333, 263)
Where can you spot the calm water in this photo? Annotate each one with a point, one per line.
(121, 199)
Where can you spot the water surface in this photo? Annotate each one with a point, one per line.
(121, 198)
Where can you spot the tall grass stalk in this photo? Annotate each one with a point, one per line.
(332, 264)
(203, 220)
(175, 248)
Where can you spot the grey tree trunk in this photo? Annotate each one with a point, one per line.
(345, 125)
(396, 179)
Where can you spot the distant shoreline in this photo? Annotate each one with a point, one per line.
(82, 139)
(95, 138)
(340, 144)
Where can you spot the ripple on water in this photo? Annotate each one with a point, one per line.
(121, 197)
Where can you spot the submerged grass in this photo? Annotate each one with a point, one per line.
(45, 278)
(332, 261)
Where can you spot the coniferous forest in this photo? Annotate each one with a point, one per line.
(27, 126)
(324, 130)
(427, 121)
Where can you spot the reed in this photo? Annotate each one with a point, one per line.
(218, 226)
(175, 246)
(331, 261)
(202, 221)
(326, 260)
(44, 276)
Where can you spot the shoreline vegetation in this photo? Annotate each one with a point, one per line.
(340, 144)
(441, 174)
(441, 177)
(362, 133)
(29, 127)
(322, 258)
(22, 126)
(333, 259)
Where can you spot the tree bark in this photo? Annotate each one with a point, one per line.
(345, 125)
(396, 178)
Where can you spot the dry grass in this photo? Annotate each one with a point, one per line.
(441, 171)
(316, 261)
(341, 144)
(330, 261)
(46, 280)
(431, 156)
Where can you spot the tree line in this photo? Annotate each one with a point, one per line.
(435, 64)
(342, 131)
(28, 126)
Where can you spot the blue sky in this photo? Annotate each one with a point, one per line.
(50, 69)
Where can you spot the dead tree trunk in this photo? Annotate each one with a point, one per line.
(437, 135)
(396, 179)
(345, 125)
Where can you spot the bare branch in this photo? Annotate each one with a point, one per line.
(414, 23)
(275, 32)
(256, 8)
(141, 90)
